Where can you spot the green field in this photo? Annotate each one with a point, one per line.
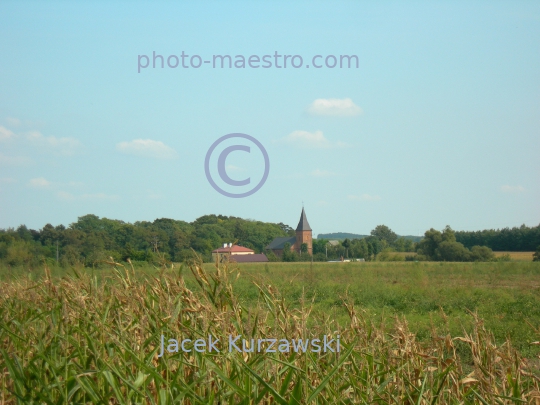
(412, 332)
(505, 295)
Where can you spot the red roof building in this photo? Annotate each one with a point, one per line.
(234, 250)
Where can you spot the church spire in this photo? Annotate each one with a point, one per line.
(303, 225)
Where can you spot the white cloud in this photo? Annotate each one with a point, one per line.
(99, 196)
(6, 134)
(39, 182)
(14, 160)
(334, 107)
(65, 196)
(512, 189)
(14, 122)
(364, 197)
(63, 146)
(322, 173)
(7, 180)
(47, 144)
(147, 148)
(307, 139)
(322, 203)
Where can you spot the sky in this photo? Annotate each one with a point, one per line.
(438, 124)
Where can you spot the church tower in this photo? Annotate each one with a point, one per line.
(303, 234)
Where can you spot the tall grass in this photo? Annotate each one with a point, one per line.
(81, 340)
(506, 295)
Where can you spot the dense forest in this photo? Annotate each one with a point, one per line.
(522, 239)
(344, 235)
(92, 240)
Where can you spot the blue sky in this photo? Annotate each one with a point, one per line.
(439, 124)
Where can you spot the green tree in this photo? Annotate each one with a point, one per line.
(452, 252)
(271, 256)
(359, 249)
(288, 255)
(428, 245)
(481, 254)
(536, 255)
(382, 232)
(319, 246)
(448, 234)
(286, 229)
(346, 244)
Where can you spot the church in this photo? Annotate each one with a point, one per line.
(303, 235)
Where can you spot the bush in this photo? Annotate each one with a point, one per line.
(453, 252)
(536, 256)
(481, 254)
(271, 256)
(387, 256)
(319, 257)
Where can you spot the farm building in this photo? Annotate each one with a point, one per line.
(235, 253)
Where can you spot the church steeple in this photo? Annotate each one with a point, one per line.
(303, 234)
(303, 225)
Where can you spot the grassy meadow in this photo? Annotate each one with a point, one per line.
(411, 333)
(517, 256)
(505, 295)
(513, 256)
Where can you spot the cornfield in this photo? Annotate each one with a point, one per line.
(79, 340)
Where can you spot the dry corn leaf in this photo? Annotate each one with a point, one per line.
(468, 380)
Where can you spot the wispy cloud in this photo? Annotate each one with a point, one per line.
(63, 146)
(334, 107)
(6, 134)
(305, 139)
(66, 146)
(364, 197)
(14, 160)
(512, 189)
(39, 182)
(59, 189)
(13, 122)
(147, 148)
(66, 196)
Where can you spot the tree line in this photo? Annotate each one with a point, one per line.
(93, 240)
(517, 239)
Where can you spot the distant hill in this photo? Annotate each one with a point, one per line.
(344, 235)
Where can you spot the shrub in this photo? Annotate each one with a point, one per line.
(536, 256)
(481, 254)
(452, 252)
(271, 256)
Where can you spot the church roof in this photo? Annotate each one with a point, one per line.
(303, 225)
(279, 243)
